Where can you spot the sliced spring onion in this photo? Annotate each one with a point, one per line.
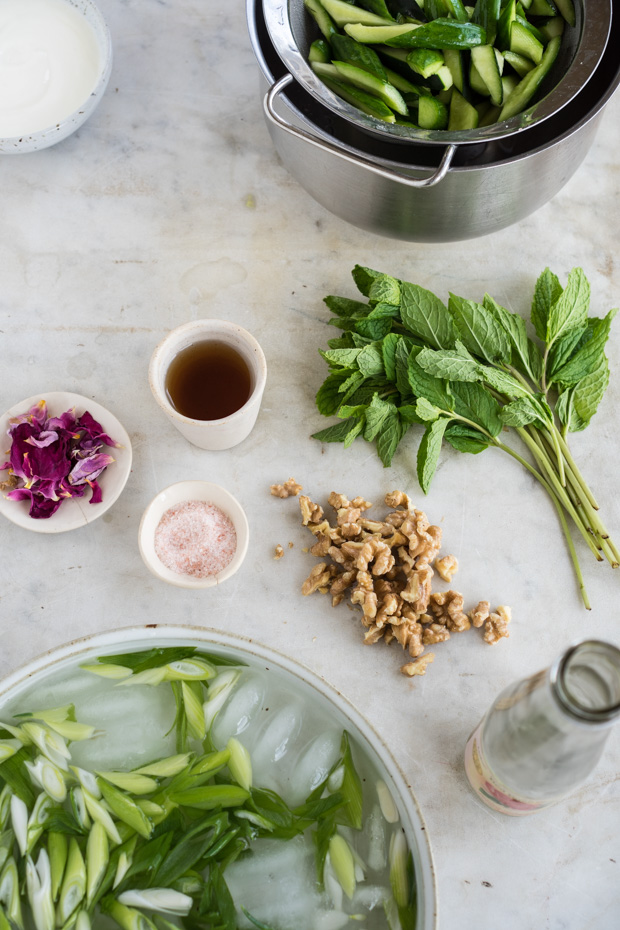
(79, 807)
(115, 672)
(190, 670)
(219, 690)
(52, 745)
(9, 892)
(5, 806)
(150, 676)
(399, 879)
(39, 886)
(386, 803)
(126, 809)
(49, 777)
(97, 858)
(208, 797)
(342, 863)
(166, 768)
(127, 917)
(164, 900)
(192, 703)
(73, 886)
(239, 764)
(57, 848)
(7, 749)
(99, 813)
(131, 781)
(19, 821)
(37, 820)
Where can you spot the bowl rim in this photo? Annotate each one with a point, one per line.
(180, 491)
(150, 633)
(594, 29)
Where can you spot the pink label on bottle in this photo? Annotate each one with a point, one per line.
(488, 788)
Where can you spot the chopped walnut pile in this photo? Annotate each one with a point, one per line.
(290, 488)
(386, 567)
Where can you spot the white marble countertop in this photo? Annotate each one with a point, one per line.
(170, 204)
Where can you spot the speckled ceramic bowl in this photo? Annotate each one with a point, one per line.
(50, 135)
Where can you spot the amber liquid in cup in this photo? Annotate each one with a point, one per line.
(208, 381)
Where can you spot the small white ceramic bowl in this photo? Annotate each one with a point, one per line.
(75, 511)
(65, 124)
(192, 491)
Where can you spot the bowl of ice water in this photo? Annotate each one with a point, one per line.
(197, 774)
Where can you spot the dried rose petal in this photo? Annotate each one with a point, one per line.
(89, 469)
(94, 430)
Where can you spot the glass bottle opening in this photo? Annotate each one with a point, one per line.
(586, 680)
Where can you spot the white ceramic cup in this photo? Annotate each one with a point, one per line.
(227, 431)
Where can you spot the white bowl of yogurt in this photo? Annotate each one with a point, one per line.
(55, 63)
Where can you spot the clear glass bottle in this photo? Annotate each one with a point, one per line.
(542, 736)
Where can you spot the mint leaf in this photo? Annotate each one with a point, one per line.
(521, 412)
(449, 364)
(363, 392)
(465, 438)
(336, 433)
(343, 306)
(401, 360)
(390, 436)
(585, 397)
(590, 351)
(385, 289)
(502, 382)
(353, 433)
(474, 402)
(340, 358)
(424, 315)
(562, 350)
(481, 333)
(547, 291)
(570, 310)
(329, 396)
(388, 350)
(364, 277)
(514, 327)
(341, 342)
(425, 410)
(435, 390)
(350, 384)
(376, 413)
(428, 452)
(370, 360)
(374, 329)
(407, 413)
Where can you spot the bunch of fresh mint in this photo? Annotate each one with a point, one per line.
(465, 372)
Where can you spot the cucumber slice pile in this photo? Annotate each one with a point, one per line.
(446, 66)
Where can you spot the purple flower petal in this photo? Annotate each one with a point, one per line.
(97, 495)
(45, 438)
(40, 507)
(94, 430)
(90, 468)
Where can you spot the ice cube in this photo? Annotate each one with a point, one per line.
(312, 765)
(274, 747)
(241, 708)
(277, 884)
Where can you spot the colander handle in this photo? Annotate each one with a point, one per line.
(430, 181)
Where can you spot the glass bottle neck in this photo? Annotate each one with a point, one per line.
(586, 682)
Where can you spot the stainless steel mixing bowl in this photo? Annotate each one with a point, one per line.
(421, 192)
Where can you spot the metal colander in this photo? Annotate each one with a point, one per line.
(292, 30)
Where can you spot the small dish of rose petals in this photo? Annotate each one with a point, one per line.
(64, 461)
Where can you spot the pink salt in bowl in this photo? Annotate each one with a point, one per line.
(193, 534)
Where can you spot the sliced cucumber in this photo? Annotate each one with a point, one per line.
(509, 82)
(444, 76)
(441, 34)
(524, 43)
(454, 61)
(372, 85)
(425, 61)
(321, 17)
(567, 9)
(403, 85)
(505, 21)
(520, 63)
(457, 9)
(529, 26)
(319, 51)
(484, 60)
(527, 87)
(486, 14)
(462, 114)
(432, 113)
(475, 80)
(542, 8)
(360, 99)
(549, 28)
(343, 13)
(347, 49)
(489, 117)
(373, 35)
